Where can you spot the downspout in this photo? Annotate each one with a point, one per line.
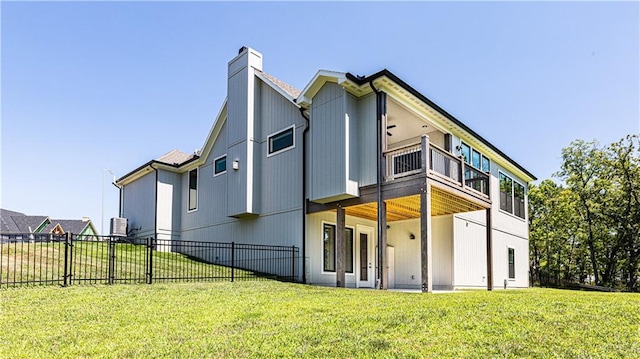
(155, 207)
(304, 195)
(379, 181)
(121, 197)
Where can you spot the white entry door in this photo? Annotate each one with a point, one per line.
(365, 277)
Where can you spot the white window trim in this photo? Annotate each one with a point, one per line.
(284, 149)
(512, 197)
(353, 229)
(197, 169)
(214, 166)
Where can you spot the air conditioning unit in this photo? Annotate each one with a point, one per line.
(119, 227)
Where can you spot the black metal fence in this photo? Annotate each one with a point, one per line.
(71, 259)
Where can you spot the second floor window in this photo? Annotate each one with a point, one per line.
(475, 158)
(220, 165)
(281, 141)
(511, 196)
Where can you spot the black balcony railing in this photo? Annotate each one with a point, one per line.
(407, 161)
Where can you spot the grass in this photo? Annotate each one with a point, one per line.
(272, 319)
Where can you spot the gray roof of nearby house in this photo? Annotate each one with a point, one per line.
(75, 226)
(16, 222)
(7, 225)
(12, 222)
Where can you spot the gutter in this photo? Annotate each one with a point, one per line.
(369, 79)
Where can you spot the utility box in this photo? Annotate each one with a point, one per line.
(118, 227)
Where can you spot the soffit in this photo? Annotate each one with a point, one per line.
(442, 203)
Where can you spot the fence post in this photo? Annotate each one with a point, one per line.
(293, 263)
(233, 252)
(67, 263)
(150, 260)
(112, 257)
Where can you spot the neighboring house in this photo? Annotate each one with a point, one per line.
(339, 170)
(16, 225)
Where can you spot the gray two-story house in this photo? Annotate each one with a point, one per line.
(377, 185)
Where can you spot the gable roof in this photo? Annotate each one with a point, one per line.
(75, 226)
(175, 157)
(178, 161)
(16, 222)
(362, 85)
(289, 90)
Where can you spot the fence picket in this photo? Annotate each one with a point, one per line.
(72, 259)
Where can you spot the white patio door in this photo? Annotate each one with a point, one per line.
(365, 276)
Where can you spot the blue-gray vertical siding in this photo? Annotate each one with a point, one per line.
(367, 134)
(138, 205)
(327, 157)
(277, 180)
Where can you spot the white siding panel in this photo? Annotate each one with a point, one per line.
(469, 253)
(169, 204)
(407, 253)
(442, 244)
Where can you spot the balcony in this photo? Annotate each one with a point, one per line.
(408, 161)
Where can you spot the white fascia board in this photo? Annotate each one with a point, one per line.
(213, 133)
(206, 149)
(276, 88)
(320, 78)
(422, 109)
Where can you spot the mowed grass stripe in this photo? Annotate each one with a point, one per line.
(272, 319)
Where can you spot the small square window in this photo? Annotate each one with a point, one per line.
(281, 141)
(220, 165)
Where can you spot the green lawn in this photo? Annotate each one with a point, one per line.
(272, 319)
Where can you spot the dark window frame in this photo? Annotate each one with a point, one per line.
(273, 140)
(215, 165)
(511, 261)
(330, 254)
(192, 203)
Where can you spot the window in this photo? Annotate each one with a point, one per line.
(281, 141)
(512, 263)
(475, 158)
(486, 164)
(193, 189)
(511, 196)
(518, 199)
(220, 165)
(465, 152)
(506, 193)
(329, 248)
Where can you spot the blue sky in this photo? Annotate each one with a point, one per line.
(88, 86)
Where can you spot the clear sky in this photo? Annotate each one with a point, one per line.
(89, 86)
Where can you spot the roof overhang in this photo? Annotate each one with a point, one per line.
(316, 83)
(184, 166)
(419, 104)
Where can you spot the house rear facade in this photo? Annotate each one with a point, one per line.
(377, 185)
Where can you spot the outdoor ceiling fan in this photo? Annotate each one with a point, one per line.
(388, 128)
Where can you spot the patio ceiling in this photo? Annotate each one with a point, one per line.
(398, 209)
